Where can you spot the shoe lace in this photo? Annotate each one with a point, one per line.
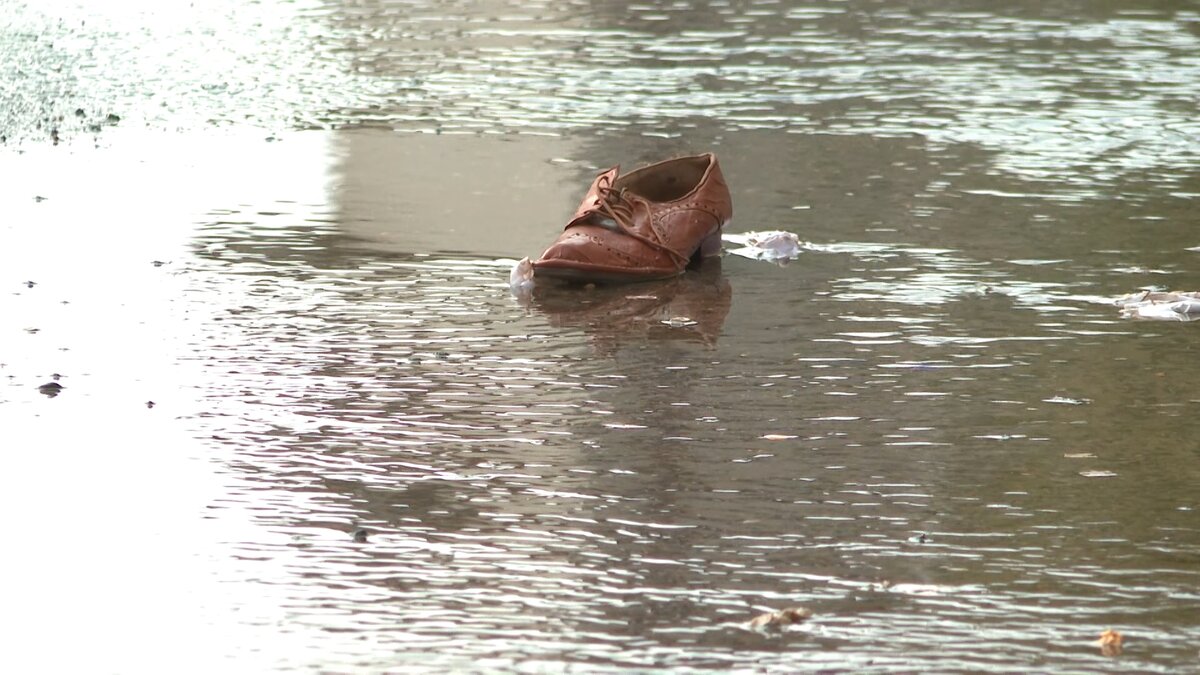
(613, 203)
(616, 205)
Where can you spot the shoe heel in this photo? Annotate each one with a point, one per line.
(711, 246)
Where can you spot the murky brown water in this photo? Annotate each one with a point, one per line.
(274, 289)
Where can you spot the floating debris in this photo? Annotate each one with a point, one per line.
(777, 437)
(1098, 474)
(1067, 401)
(781, 618)
(774, 246)
(1110, 643)
(679, 322)
(1080, 455)
(360, 535)
(520, 280)
(1160, 305)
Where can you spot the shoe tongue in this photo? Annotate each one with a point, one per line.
(592, 199)
(610, 175)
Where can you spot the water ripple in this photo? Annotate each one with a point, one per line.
(1084, 100)
(310, 429)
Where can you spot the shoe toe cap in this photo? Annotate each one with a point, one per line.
(572, 249)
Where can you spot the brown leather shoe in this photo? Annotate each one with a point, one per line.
(647, 224)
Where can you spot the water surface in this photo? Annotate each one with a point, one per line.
(268, 262)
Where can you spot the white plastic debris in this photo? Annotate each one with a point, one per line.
(1160, 305)
(679, 322)
(774, 246)
(520, 280)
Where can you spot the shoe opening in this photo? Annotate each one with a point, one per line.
(667, 181)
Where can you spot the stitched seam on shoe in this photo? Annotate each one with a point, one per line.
(691, 207)
(630, 260)
(659, 220)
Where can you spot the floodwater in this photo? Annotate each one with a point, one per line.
(263, 248)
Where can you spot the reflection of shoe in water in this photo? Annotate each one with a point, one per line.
(644, 225)
(691, 307)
